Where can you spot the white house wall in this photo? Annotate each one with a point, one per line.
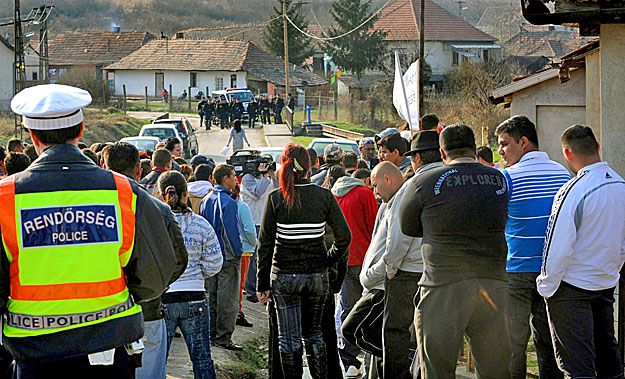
(6, 76)
(137, 80)
(438, 54)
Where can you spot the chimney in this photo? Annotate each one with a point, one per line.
(179, 35)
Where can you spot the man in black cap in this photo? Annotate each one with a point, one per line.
(278, 104)
(460, 211)
(404, 264)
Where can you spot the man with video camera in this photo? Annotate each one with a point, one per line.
(255, 187)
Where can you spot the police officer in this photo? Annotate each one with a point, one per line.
(208, 113)
(87, 249)
(264, 109)
(200, 109)
(252, 108)
(278, 104)
(237, 110)
(222, 111)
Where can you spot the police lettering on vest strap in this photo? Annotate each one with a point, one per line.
(69, 225)
(34, 322)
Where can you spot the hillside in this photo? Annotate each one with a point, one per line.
(100, 126)
(170, 16)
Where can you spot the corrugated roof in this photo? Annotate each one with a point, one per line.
(94, 48)
(400, 20)
(214, 55)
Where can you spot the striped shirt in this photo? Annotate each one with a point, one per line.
(533, 182)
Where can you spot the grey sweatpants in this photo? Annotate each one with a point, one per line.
(476, 308)
(224, 300)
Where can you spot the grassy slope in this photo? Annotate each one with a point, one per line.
(100, 126)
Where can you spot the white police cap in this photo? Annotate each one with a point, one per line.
(50, 106)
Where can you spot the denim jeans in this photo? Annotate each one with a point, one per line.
(193, 318)
(299, 300)
(582, 329)
(154, 359)
(526, 309)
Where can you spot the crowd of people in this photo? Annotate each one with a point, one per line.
(396, 253)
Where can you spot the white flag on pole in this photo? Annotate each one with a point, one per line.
(406, 93)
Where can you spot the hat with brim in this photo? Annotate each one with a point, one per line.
(423, 140)
(50, 106)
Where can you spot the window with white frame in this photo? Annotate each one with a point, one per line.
(219, 83)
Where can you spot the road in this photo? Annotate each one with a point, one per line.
(210, 141)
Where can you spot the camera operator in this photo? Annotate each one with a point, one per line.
(254, 192)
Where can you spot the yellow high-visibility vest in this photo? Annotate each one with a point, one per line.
(66, 251)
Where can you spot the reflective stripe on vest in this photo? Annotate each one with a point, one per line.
(66, 251)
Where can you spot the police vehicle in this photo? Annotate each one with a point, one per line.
(243, 94)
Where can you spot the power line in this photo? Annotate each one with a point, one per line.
(342, 35)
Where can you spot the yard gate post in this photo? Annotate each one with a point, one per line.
(171, 95)
(147, 102)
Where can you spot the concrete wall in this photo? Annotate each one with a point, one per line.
(553, 106)
(593, 91)
(612, 95)
(6, 76)
(137, 80)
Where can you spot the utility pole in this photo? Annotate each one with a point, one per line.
(286, 48)
(19, 74)
(421, 55)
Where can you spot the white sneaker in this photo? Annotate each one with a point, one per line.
(352, 372)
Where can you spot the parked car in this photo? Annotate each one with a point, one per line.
(142, 143)
(161, 131)
(187, 134)
(319, 144)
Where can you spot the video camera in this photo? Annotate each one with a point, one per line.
(247, 162)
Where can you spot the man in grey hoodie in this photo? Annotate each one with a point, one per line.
(360, 209)
(363, 325)
(404, 266)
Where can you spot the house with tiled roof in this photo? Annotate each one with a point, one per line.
(550, 42)
(94, 50)
(449, 40)
(204, 65)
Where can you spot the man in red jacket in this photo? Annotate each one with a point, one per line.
(360, 209)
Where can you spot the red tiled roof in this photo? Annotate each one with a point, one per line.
(213, 55)
(545, 42)
(400, 20)
(94, 48)
(241, 32)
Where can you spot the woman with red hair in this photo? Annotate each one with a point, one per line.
(293, 260)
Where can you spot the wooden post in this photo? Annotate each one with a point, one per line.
(147, 101)
(319, 105)
(286, 49)
(372, 111)
(171, 95)
(125, 104)
(336, 110)
(189, 99)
